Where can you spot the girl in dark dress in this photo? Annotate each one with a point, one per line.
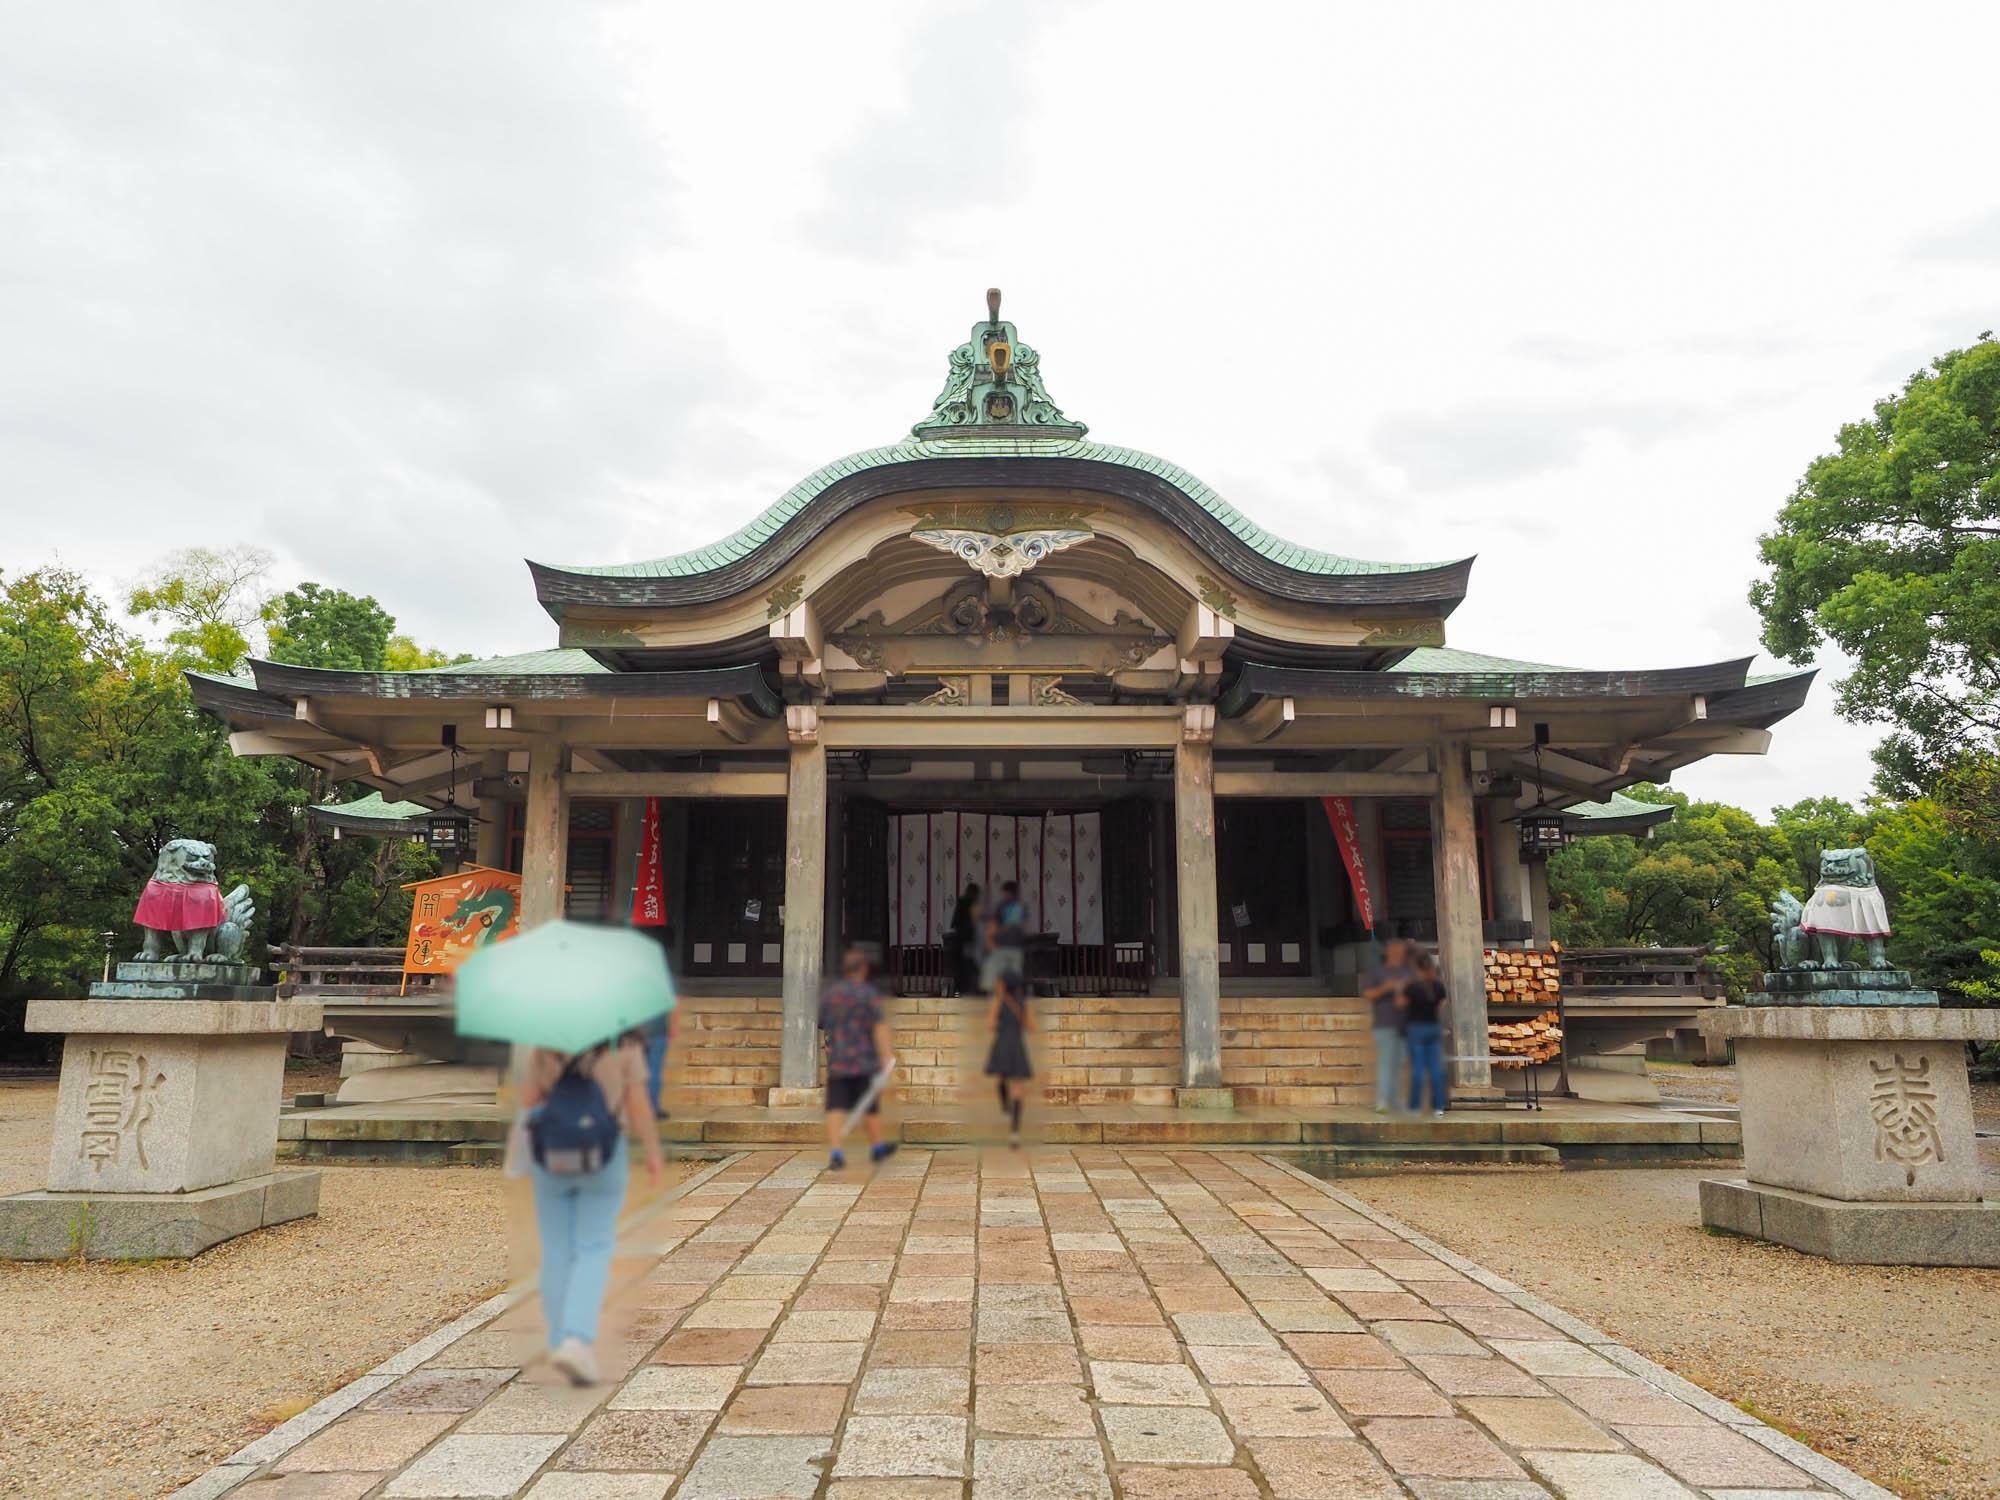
(1010, 1021)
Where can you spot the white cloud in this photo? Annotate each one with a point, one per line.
(376, 285)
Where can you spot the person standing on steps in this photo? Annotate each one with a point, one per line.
(1383, 990)
(578, 1110)
(1010, 1020)
(1008, 939)
(962, 943)
(857, 1048)
(1423, 1004)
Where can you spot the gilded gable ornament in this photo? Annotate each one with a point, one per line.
(1046, 692)
(1215, 596)
(784, 596)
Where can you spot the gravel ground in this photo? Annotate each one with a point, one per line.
(1894, 1371)
(127, 1380)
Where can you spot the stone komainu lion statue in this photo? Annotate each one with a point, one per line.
(1846, 908)
(183, 903)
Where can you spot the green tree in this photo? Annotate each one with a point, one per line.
(1943, 889)
(1890, 548)
(212, 599)
(404, 655)
(316, 626)
(1813, 824)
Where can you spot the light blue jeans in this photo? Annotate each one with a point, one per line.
(1388, 1065)
(654, 1034)
(1426, 1061)
(577, 1216)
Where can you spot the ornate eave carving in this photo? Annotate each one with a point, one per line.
(1005, 555)
(966, 630)
(1000, 540)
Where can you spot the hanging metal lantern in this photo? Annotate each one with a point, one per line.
(1543, 832)
(448, 831)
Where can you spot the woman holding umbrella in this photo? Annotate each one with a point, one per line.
(574, 997)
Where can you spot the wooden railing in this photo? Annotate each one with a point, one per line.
(1638, 973)
(347, 974)
(1059, 968)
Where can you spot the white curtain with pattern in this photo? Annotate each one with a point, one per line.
(1058, 859)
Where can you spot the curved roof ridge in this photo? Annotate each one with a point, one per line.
(753, 533)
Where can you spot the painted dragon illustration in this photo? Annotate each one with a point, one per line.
(480, 919)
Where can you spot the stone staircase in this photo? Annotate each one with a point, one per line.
(725, 1052)
(1087, 1050)
(1313, 1051)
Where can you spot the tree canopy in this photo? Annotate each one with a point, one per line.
(315, 626)
(1889, 548)
(210, 598)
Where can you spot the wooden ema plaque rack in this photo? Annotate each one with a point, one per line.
(1525, 1026)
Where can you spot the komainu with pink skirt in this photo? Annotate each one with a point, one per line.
(184, 906)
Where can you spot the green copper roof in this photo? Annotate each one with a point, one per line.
(1616, 806)
(1451, 659)
(373, 808)
(749, 538)
(523, 664)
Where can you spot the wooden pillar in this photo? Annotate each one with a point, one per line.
(628, 831)
(805, 900)
(1538, 901)
(1512, 900)
(1194, 844)
(1455, 859)
(545, 835)
(489, 844)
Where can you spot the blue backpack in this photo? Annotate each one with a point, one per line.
(574, 1131)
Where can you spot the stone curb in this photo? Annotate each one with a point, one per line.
(287, 1435)
(1842, 1479)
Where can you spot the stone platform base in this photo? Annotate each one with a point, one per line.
(1867, 1234)
(150, 1226)
(426, 1080)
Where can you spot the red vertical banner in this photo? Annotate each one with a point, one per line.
(1347, 834)
(649, 886)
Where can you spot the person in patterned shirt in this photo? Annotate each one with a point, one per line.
(857, 1047)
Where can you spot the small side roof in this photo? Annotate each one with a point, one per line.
(372, 815)
(1617, 813)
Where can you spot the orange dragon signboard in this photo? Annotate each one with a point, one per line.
(454, 916)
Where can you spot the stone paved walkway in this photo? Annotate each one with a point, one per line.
(1070, 1324)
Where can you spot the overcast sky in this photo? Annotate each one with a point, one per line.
(406, 292)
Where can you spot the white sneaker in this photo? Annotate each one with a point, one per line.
(574, 1359)
(1438, 1113)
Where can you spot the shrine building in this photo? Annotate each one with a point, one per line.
(1214, 760)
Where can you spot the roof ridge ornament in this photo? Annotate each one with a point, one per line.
(993, 388)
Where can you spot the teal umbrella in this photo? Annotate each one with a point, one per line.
(563, 985)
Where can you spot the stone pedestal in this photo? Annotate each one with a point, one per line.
(182, 979)
(1857, 1133)
(166, 1128)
